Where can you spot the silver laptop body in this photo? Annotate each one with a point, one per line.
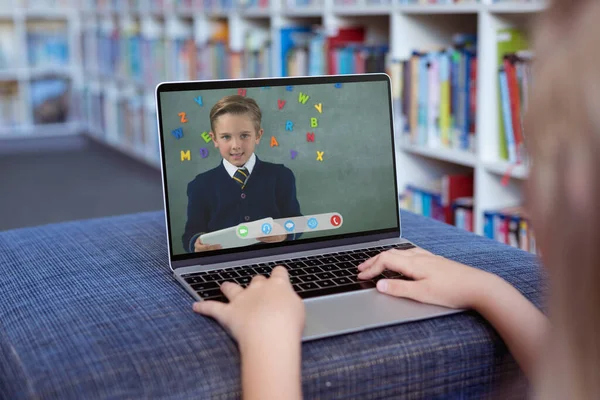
(335, 311)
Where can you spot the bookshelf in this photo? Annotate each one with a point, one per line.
(168, 32)
(36, 85)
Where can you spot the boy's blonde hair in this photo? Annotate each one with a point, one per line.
(236, 105)
(562, 131)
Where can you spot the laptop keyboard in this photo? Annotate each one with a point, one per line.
(312, 276)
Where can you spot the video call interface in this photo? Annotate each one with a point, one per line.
(258, 166)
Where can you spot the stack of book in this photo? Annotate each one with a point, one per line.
(47, 44)
(437, 199)
(514, 80)
(437, 95)
(306, 50)
(10, 115)
(510, 226)
(50, 100)
(7, 46)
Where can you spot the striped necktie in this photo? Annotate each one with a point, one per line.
(241, 176)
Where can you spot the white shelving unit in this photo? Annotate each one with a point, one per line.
(21, 13)
(405, 27)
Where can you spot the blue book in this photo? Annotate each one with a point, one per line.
(488, 224)
(290, 38)
(426, 198)
(507, 117)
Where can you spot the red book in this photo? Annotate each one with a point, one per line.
(453, 187)
(515, 104)
(344, 37)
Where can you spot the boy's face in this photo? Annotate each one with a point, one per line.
(235, 137)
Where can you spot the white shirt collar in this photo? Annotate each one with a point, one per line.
(232, 168)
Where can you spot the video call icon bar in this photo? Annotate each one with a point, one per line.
(288, 226)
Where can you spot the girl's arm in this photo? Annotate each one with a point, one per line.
(439, 281)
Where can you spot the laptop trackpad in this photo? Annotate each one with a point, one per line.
(356, 311)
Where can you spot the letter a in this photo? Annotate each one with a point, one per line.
(274, 142)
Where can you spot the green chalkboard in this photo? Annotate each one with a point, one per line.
(355, 178)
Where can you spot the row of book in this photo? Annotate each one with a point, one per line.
(148, 52)
(10, 104)
(514, 83)
(437, 200)
(450, 200)
(8, 54)
(51, 101)
(305, 50)
(439, 2)
(157, 5)
(437, 92)
(48, 43)
(123, 119)
(510, 226)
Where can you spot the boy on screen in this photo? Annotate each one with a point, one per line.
(241, 188)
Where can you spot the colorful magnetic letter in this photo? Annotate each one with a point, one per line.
(203, 152)
(280, 103)
(293, 153)
(289, 125)
(242, 92)
(178, 133)
(319, 107)
(320, 155)
(310, 136)
(274, 142)
(303, 98)
(199, 100)
(206, 137)
(183, 117)
(186, 155)
(338, 85)
(314, 123)
(289, 88)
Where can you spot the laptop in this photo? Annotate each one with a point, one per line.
(318, 194)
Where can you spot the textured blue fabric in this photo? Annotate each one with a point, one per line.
(90, 310)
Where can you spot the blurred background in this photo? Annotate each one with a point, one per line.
(78, 132)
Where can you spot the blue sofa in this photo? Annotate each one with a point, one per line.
(90, 310)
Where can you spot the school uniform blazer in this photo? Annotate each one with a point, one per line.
(216, 201)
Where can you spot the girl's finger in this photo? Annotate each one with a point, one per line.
(230, 290)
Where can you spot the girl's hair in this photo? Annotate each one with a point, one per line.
(236, 105)
(562, 131)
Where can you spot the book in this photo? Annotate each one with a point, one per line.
(509, 40)
(291, 39)
(344, 37)
(10, 104)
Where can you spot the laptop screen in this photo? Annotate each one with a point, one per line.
(258, 164)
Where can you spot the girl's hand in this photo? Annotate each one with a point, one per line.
(437, 280)
(268, 309)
